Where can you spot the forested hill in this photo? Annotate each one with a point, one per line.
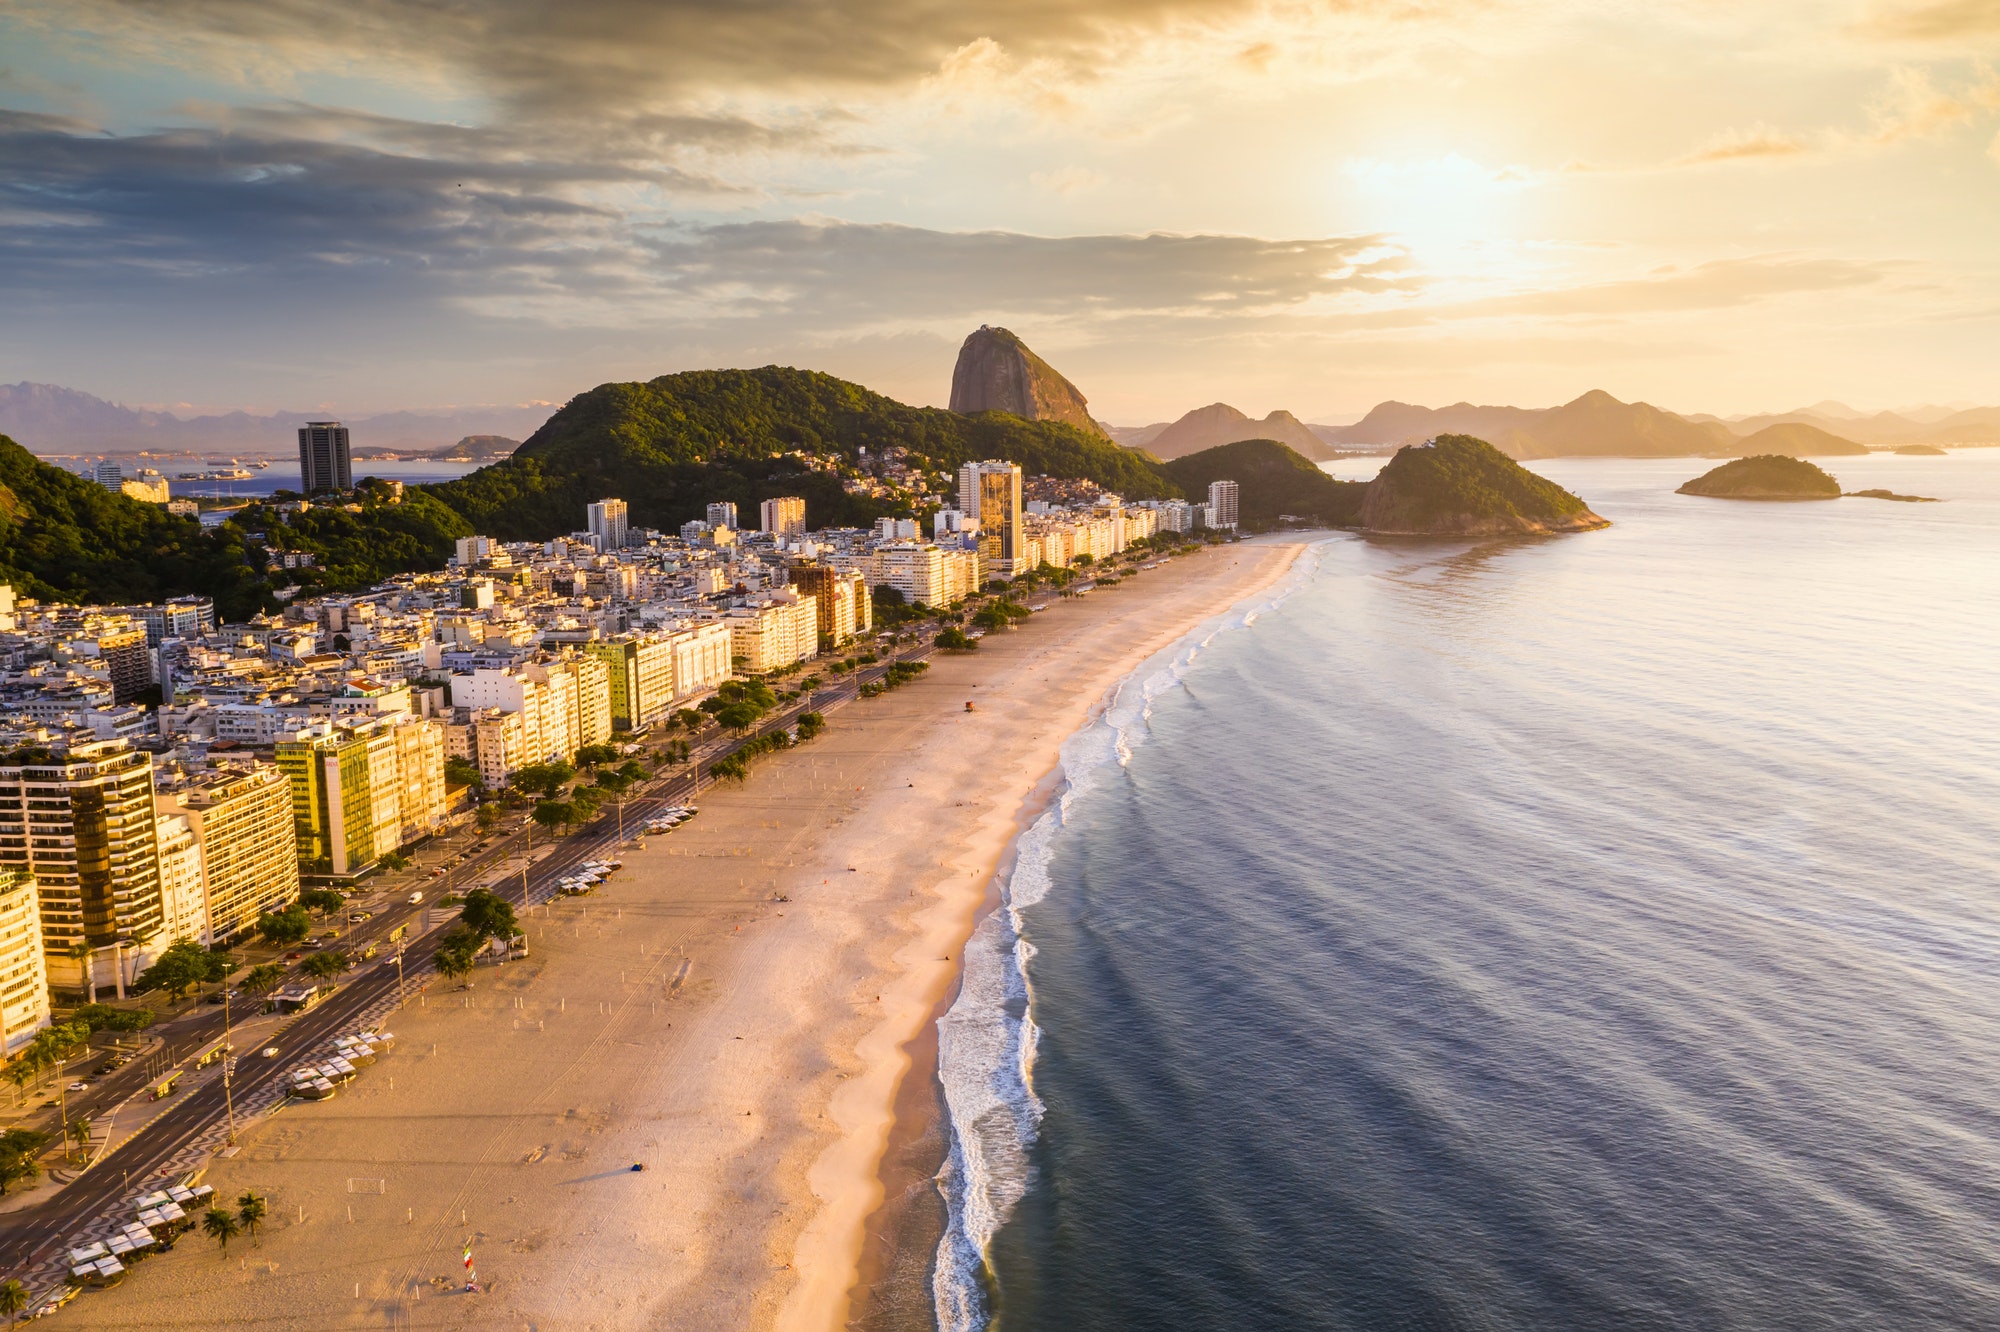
(63, 538)
(672, 445)
(668, 447)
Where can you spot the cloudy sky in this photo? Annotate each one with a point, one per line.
(369, 204)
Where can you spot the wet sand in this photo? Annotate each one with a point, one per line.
(749, 1050)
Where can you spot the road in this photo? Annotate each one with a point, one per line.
(31, 1236)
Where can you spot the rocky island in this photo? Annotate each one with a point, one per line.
(1768, 476)
(1922, 451)
(1457, 485)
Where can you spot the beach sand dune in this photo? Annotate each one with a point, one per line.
(735, 1012)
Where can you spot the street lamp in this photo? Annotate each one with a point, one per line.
(228, 1097)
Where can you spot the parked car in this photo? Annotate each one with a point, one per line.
(79, 1086)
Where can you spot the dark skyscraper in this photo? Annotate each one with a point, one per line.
(323, 461)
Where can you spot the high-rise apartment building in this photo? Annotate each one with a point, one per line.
(183, 909)
(641, 677)
(471, 550)
(24, 976)
(1222, 503)
(607, 519)
(702, 658)
(785, 516)
(843, 600)
(127, 662)
(561, 707)
(361, 789)
(108, 474)
(924, 573)
(722, 514)
(989, 493)
(779, 632)
(323, 460)
(81, 821)
(248, 837)
(176, 617)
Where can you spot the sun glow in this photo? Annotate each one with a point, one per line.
(1451, 212)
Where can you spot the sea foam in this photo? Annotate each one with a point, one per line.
(986, 1041)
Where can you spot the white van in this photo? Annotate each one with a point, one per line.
(416, 897)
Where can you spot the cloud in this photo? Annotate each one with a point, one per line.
(471, 224)
(594, 55)
(1719, 284)
(1738, 145)
(1938, 20)
(1912, 106)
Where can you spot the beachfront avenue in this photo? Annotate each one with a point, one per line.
(399, 937)
(35, 1238)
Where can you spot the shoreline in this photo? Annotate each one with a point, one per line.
(910, 1177)
(740, 1012)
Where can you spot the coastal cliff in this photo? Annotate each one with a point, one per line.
(1768, 476)
(1457, 485)
(997, 373)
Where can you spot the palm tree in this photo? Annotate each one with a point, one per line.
(83, 955)
(13, 1300)
(220, 1226)
(250, 1208)
(79, 1132)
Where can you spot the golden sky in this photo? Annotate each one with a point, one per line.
(362, 205)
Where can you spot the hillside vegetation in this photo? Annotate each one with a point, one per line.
(1271, 480)
(1460, 486)
(1768, 476)
(672, 445)
(63, 538)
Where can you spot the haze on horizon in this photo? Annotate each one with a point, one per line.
(367, 205)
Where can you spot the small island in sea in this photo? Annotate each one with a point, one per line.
(1891, 495)
(1456, 485)
(1768, 476)
(1922, 451)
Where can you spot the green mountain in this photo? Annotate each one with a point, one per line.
(672, 445)
(1460, 486)
(1271, 480)
(63, 538)
(1768, 476)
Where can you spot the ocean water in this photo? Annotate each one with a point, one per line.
(283, 474)
(1597, 932)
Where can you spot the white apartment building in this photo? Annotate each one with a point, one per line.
(776, 633)
(785, 516)
(607, 520)
(1222, 503)
(702, 654)
(722, 514)
(244, 828)
(924, 573)
(24, 977)
(182, 902)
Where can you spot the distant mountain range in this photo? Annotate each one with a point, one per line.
(1219, 423)
(47, 418)
(1594, 425)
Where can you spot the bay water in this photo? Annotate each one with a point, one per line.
(1592, 932)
